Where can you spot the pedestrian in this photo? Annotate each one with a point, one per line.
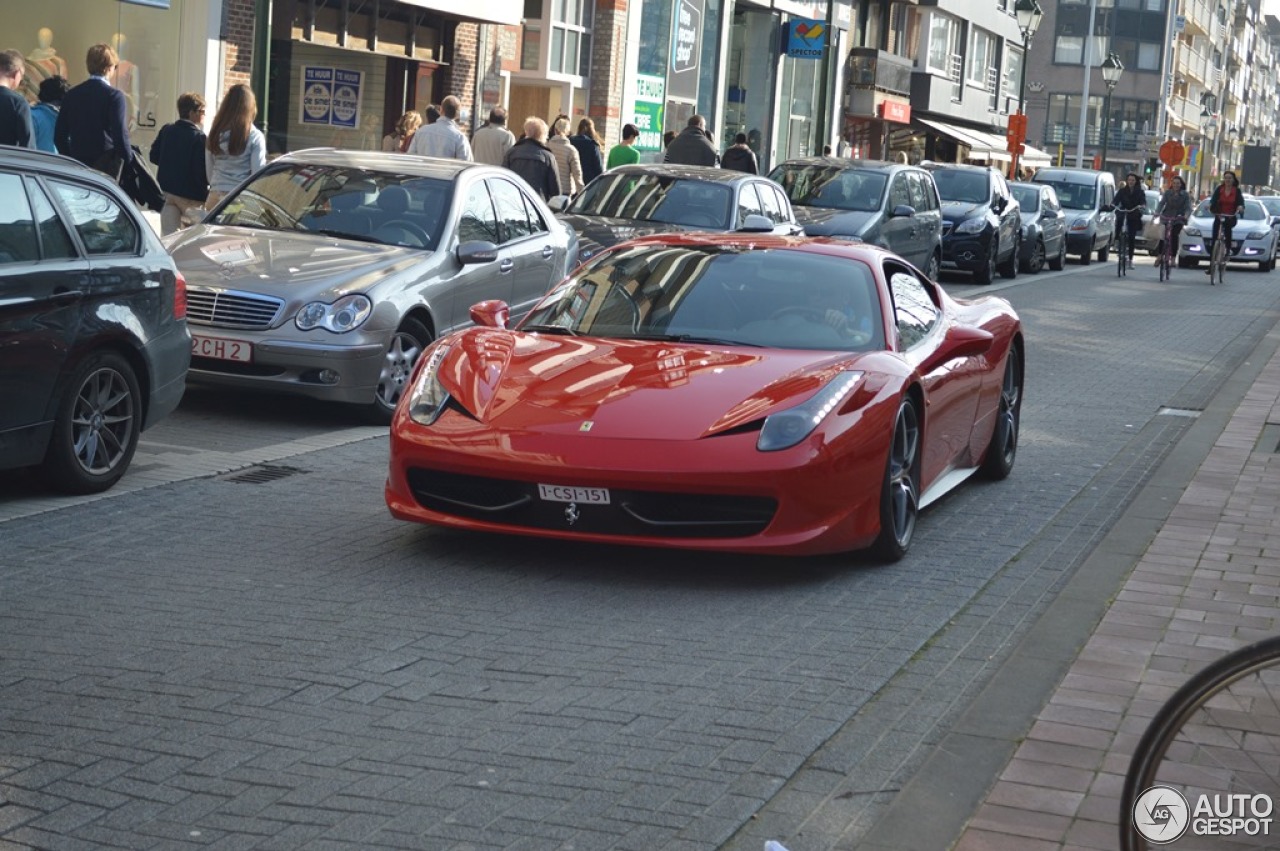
(430, 115)
(15, 113)
(826, 150)
(590, 148)
(492, 141)
(179, 155)
(1227, 200)
(668, 138)
(235, 148)
(625, 153)
(532, 159)
(443, 138)
(740, 157)
(397, 141)
(93, 123)
(44, 115)
(567, 160)
(692, 147)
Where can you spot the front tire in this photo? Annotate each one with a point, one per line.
(1104, 252)
(1002, 451)
(1009, 268)
(899, 494)
(1035, 262)
(934, 267)
(95, 430)
(403, 351)
(1057, 263)
(987, 273)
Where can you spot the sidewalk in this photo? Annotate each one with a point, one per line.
(1207, 584)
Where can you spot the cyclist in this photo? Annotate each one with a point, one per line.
(1227, 200)
(1174, 204)
(1130, 200)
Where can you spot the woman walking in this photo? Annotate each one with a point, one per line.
(236, 149)
(590, 148)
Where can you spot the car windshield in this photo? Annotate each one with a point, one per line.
(1073, 196)
(1253, 211)
(1272, 205)
(374, 206)
(776, 298)
(1028, 198)
(657, 198)
(831, 186)
(1153, 200)
(970, 187)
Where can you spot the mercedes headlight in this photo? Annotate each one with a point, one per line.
(787, 428)
(428, 397)
(974, 225)
(345, 314)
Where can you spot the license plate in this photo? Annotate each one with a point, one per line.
(565, 493)
(212, 347)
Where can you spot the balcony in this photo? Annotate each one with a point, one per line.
(876, 70)
(1117, 140)
(1192, 65)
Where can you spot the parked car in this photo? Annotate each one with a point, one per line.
(1044, 228)
(742, 393)
(887, 204)
(328, 272)
(1086, 197)
(982, 224)
(94, 344)
(1151, 237)
(636, 200)
(1253, 239)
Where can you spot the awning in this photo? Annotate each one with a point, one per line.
(509, 12)
(982, 146)
(1035, 157)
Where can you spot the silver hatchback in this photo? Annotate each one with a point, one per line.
(328, 272)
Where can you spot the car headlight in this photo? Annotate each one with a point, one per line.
(1259, 235)
(428, 397)
(1081, 224)
(1190, 231)
(787, 428)
(343, 315)
(974, 225)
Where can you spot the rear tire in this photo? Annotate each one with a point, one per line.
(899, 494)
(95, 430)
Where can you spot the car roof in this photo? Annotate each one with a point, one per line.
(846, 164)
(444, 169)
(687, 172)
(958, 167)
(1025, 185)
(1069, 175)
(34, 158)
(832, 245)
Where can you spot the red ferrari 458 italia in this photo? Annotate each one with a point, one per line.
(741, 393)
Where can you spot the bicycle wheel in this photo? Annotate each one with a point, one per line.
(1218, 736)
(1122, 252)
(1218, 263)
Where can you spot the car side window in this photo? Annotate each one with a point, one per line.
(899, 194)
(17, 226)
(512, 216)
(769, 202)
(748, 204)
(914, 310)
(919, 192)
(55, 242)
(104, 226)
(784, 203)
(536, 222)
(478, 221)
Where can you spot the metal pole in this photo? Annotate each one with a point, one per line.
(1088, 70)
(1022, 98)
(1106, 124)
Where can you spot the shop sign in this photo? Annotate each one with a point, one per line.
(650, 103)
(894, 111)
(806, 38)
(330, 96)
(686, 49)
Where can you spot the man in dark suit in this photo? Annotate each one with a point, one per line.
(93, 124)
(15, 114)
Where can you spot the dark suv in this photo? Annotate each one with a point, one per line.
(94, 344)
(982, 223)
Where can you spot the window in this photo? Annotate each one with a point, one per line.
(923, 195)
(1012, 74)
(899, 194)
(571, 37)
(982, 51)
(54, 239)
(17, 224)
(944, 37)
(788, 215)
(104, 226)
(1069, 50)
(511, 211)
(748, 205)
(1148, 56)
(913, 308)
(478, 219)
(770, 203)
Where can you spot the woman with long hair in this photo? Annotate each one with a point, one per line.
(236, 149)
(399, 139)
(590, 148)
(567, 159)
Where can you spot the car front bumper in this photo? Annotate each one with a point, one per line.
(967, 252)
(1242, 250)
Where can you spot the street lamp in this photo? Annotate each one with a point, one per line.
(1207, 127)
(1028, 14)
(1112, 68)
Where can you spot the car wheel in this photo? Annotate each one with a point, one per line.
(1057, 263)
(95, 430)
(1009, 268)
(899, 498)
(934, 267)
(1104, 252)
(1003, 448)
(402, 353)
(1035, 262)
(988, 271)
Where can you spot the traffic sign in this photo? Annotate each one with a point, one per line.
(1171, 152)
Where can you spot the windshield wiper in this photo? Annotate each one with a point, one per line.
(550, 329)
(694, 338)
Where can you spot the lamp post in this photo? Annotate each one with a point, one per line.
(1112, 68)
(1028, 14)
(1207, 127)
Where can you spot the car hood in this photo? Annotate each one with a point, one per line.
(594, 387)
(826, 221)
(290, 266)
(1242, 226)
(955, 211)
(1029, 219)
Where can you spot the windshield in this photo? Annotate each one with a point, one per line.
(1271, 205)
(1073, 196)
(654, 198)
(831, 186)
(1253, 211)
(1028, 198)
(969, 187)
(373, 206)
(777, 298)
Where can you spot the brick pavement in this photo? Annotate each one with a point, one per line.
(1208, 583)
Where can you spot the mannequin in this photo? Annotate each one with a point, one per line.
(42, 62)
(125, 78)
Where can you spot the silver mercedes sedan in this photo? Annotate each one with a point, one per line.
(328, 272)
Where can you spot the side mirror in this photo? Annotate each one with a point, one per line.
(756, 223)
(959, 342)
(1049, 214)
(998, 204)
(493, 313)
(904, 210)
(476, 251)
(559, 203)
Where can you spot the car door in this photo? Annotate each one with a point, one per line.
(537, 253)
(1053, 224)
(1009, 212)
(476, 282)
(43, 280)
(898, 233)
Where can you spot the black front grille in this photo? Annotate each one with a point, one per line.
(231, 367)
(653, 514)
(231, 310)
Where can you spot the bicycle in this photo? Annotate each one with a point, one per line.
(1218, 736)
(1218, 255)
(1124, 246)
(1168, 254)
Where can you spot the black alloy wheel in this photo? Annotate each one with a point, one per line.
(899, 495)
(1002, 450)
(95, 430)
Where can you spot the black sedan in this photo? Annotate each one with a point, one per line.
(640, 200)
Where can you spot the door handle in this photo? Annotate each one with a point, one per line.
(547, 251)
(65, 297)
(506, 266)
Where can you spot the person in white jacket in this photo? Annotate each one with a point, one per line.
(567, 159)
